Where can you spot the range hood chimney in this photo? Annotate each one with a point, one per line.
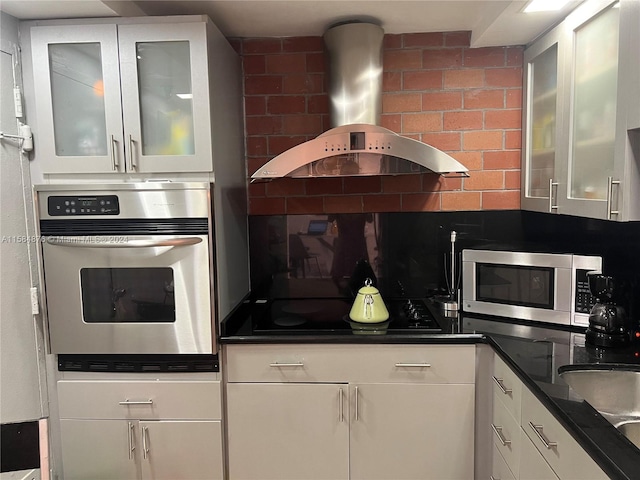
(356, 145)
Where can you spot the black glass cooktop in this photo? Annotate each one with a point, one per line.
(327, 315)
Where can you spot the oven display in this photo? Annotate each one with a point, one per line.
(80, 205)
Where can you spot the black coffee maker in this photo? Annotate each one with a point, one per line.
(609, 325)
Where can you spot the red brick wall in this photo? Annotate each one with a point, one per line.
(464, 101)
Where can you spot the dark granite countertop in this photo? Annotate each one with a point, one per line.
(534, 351)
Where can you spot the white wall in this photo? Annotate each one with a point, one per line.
(22, 375)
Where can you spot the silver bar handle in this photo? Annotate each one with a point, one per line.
(553, 205)
(413, 365)
(131, 445)
(145, 445)
(491, 477)
(610, 183)
(498, 431)
(538, 429)
(500, 383)
(341, 405)
(114, 160)
(132, 162)
(94, 242)
(357, 401)
(136, 402)
(276, 364)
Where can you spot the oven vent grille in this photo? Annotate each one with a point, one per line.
(138, 363)
(138, 226)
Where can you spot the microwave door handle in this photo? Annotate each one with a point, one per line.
(95, 242)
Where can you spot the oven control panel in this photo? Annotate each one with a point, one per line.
(83, 205)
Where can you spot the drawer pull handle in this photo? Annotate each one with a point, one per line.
(341, 405)
(136, 402)
(413, 365)
(131, 445)
(276, 365)
(538, 429)
(491, 477)
(357, 401)
(500, 383)
(500, 435)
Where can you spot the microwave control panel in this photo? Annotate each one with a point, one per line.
(584, 301)
(83, 205)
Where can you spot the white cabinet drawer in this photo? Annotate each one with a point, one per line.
(567, 458)
(506, 434)
(507, 386)
(500, 470)
(533, 465)
(354, 363)
(139, 399)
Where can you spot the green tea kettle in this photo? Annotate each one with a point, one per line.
(368, 306)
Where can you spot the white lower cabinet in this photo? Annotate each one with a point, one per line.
(533, 465)
(123, 450)
(567, 459)
(528, 438)
(140, 430)
(417, 421)
(411, 431)
(500, 470)
(99, 449)
(287, 431)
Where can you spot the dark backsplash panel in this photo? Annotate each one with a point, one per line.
(413, 249)
(410, 249)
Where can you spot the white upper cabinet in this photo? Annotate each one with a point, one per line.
(78, 101)
(582, 90)
(123, 98)
(542, 165)
(166, 107)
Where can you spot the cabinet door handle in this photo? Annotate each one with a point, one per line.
(276, 364)
(132, 446)
(500, 383)
(553, 205)
(145, 445)
(538, 429)
(136, 402)
(357, 402)
(498, 431)
(491, 477)
(132, 156)
(341, 405)
(413, 365)
(114, 158)
(610, 183)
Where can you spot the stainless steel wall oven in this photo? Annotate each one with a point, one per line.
(128, 269)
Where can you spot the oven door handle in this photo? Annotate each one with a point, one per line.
(123, 242)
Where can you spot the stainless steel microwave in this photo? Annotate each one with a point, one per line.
(543, 287)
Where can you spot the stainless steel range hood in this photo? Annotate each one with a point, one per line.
(356, 145)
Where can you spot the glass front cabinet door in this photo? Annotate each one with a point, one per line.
(542, 162)
(122, 98)
(582, 116)
(592, 182)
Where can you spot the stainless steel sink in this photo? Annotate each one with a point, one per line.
(631, 430)
(613, 390)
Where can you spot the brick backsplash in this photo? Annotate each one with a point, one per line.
(436, 89)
